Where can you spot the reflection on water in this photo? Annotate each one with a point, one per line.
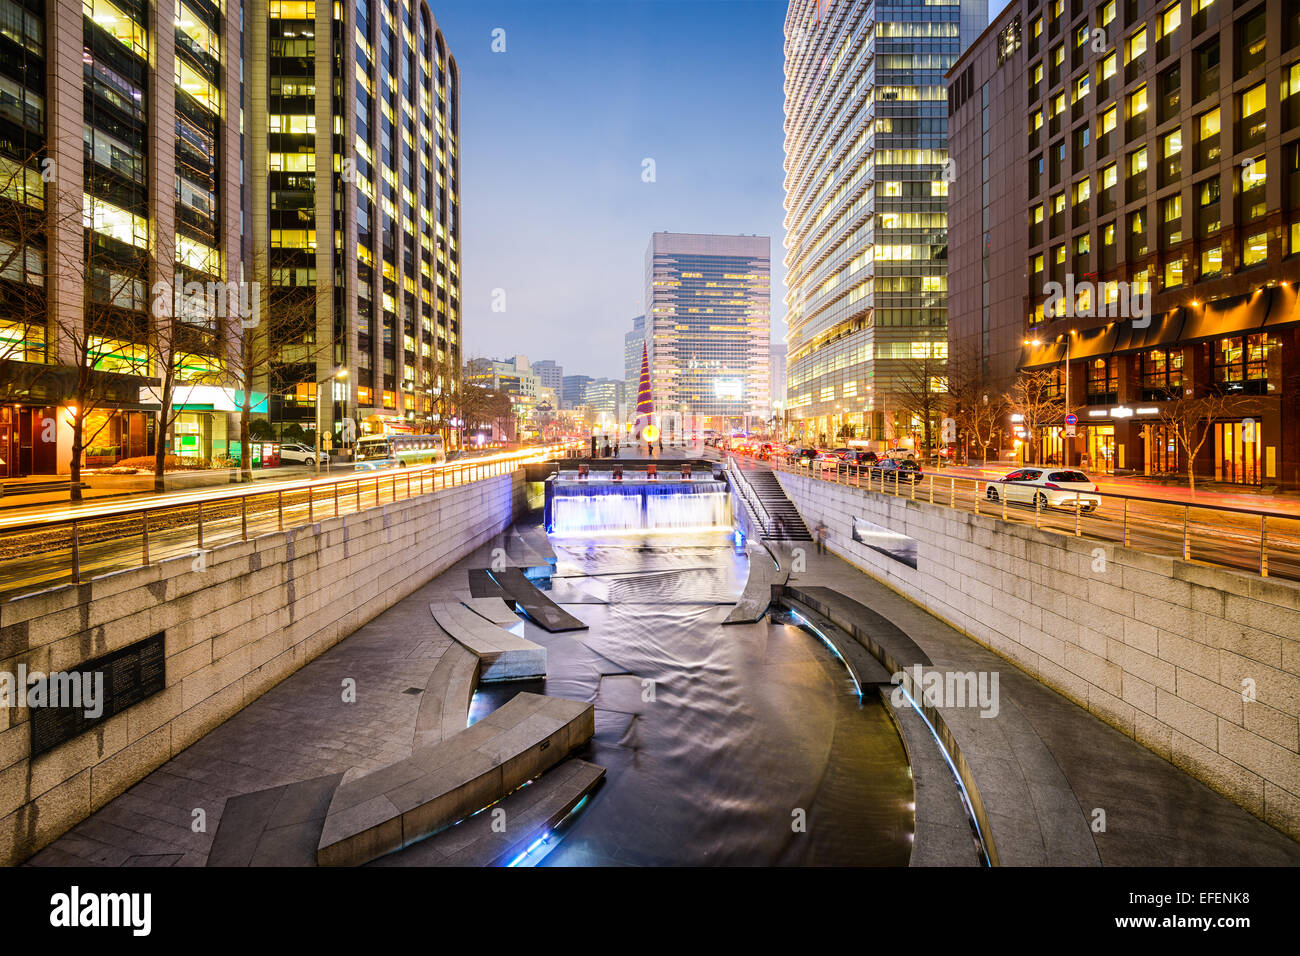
(714, 737)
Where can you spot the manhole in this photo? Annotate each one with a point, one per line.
(413, 690)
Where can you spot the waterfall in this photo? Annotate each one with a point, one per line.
(586, 506)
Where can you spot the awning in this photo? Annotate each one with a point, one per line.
(1049, 353)
(1164, 330)
(1235, 316)
(1284, 306)
(1095, 342)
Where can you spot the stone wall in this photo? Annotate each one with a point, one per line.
(257, 612)
(1164, 650)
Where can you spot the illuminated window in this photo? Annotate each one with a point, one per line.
(1170, 19)
(1082, 191)
(1036, 121)
(1058, 254)
(1108, 120)
(1082, 86)
(1108, 66)
(1108, 12)
(114, 21)
(1083, 244)
(1173, 273)
(1171, 144)
(1058, 55)
(1254, 173)
(1036, 215)
(1137, 45)
(1137, 102)
(1256, 250)
(1038, 73)
(1058, 104)
(1036, 28)
(1212, 261)
(1058, 203)
(1109, 176)
(1137, 162)
(1253, 100)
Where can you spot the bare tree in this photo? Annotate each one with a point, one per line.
(921, 393)
(979, 404)
(261, 348)
(1190, 421)
(1035, 398)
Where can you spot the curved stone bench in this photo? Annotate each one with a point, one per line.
(502, 655)
(376, 813)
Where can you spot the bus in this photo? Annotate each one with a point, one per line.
(400, 451)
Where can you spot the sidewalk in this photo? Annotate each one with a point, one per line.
(1044, 766)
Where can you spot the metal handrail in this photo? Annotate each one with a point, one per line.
(436, 476)
(746, 490)
(979, 488)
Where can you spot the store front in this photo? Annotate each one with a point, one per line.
(1159, 450)
(1238, 452)
(1101, 458)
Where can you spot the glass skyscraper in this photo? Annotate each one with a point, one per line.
(708, 329)
(866, 213)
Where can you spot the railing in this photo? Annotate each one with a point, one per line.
(1267, 543)
(96, 538)
(748, 494)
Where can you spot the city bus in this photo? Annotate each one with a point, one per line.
(400, 451)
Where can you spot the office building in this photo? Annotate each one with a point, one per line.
(633, 342)
(354, 179)
(1127, 208)
(707, 327)
(866, 214)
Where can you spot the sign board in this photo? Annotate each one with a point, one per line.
(327, 441)
(1069, 430)
(128, 676)
(1071, 419)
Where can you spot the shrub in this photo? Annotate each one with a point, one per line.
(171, 463)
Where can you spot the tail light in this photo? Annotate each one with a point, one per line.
(1051, 484)
(1095, 488)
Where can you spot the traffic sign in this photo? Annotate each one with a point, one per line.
(1072, 419)
(1069, 431)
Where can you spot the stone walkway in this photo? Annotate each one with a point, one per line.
(1044, 765)
(300, 729)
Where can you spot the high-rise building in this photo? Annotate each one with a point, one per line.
(708, 327)
(777, 393)
(354, 180)
(551, 373)
(571, 390)
(866, 215)
(120, 151)
(1127, 207)
(632, 345)
(604, 397)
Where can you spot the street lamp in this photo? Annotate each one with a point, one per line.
(337, 375)
(1069, 337)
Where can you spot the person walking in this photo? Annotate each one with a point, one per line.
(661, 446)
(822, 533)
(593, 446)
(616, 444)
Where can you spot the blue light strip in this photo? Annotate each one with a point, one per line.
(834, 650)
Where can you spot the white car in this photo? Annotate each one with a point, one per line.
(1047, 488)
(295, 454)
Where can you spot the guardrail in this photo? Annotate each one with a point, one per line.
(1267, 542)
(748, 495)
(184, 526)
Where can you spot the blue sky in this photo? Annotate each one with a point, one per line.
(553, 135)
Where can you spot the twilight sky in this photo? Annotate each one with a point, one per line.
(553, 135)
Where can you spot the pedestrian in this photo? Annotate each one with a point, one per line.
(593, 446)
(606, 454)
(616, 444)
(661, 445)
(822, 533)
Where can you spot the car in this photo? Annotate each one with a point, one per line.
(895, 470)
(901, 454)
(802, 456)
(1047, 488)
(857, 456)
(296, 454)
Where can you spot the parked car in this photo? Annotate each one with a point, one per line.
(896, 470)
(901, 454)
(1047, 488)
(296, 454)
(802, 456)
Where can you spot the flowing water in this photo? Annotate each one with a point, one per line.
(580, 507)
(718, 741)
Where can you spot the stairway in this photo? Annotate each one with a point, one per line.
(785, 524)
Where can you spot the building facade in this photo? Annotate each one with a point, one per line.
(708, 328)
(632, 344)
(1126, 221)
(120, 155)
(354, 188)
(866, 214)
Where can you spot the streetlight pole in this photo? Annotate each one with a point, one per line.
(336, 375)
